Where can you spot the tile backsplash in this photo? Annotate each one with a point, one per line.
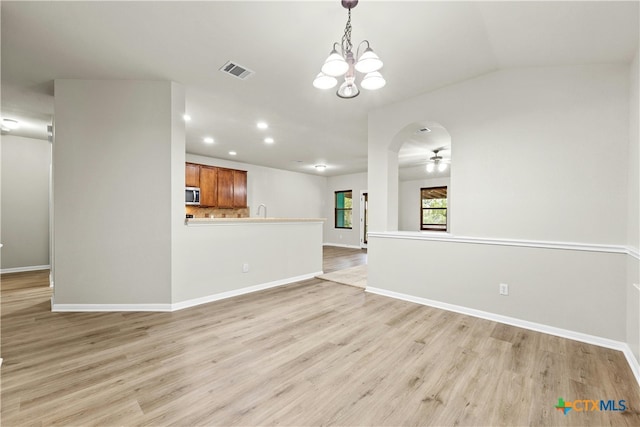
(200, 212)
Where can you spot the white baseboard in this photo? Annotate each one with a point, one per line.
(242, 291)
(179, 305)
(109, 307)
(337, 245)
(23, 269)
(538, 327)
(634, 364)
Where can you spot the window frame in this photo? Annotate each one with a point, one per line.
(431, 227)
(336, 209)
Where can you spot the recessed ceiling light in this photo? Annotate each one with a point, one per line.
(232, 153)
(10, 124)
(208, 140)
(320, 168)
(262, 125)
(268, 140)
(186, 118)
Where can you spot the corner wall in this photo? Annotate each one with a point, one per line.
(112, 155)
(25, 203)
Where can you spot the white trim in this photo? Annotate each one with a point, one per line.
(180, 305)
(109, 307)
(633, 252)
(337, 245)
(445, 237)
(632, 361)
(242, 291)
(0, 361)
(538, 327)
(23, 269)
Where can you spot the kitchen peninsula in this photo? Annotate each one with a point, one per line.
(217, 258)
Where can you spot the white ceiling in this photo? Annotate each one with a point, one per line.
(424, 45)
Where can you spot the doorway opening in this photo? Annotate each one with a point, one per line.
(364, 218)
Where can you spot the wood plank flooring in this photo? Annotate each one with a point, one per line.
(337, 258)
(310, 353)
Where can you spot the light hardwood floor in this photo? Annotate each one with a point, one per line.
(309, 353)
(337, 258)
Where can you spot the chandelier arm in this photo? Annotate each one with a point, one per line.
(359, 46)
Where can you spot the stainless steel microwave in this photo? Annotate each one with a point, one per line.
(191, 196)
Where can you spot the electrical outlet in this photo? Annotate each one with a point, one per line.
(504, 289)
(245, 267)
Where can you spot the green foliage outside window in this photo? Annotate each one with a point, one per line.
(344, 211)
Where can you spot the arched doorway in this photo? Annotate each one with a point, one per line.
(424, 177)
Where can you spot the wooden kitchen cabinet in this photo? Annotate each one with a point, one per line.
(225, 188)
(219, 187)
(239, 189)
(208, 186)
(192, 175)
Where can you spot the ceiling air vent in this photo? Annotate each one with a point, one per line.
(236, 70)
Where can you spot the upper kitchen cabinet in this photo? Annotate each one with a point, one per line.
(208, 186)
(225, 188)
(192, 176)
(219, 187)
(239, 189)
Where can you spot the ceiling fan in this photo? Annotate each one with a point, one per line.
(437, 161)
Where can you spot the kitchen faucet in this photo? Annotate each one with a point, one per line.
(262, 205)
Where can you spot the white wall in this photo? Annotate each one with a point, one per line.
(25, 202)
(208, 260)
(409, 202)
(633, 215)
(540, 155)
(112, 191)
(286, 194)
(341, 236)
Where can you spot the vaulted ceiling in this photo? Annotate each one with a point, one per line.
(424, 46)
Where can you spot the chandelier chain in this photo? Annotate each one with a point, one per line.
(346, 38)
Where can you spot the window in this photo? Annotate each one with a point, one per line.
(433, 209)
(344, 203)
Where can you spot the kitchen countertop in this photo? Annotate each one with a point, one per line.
(252, 220)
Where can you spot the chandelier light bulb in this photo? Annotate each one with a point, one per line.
(373, 81)
(368, 62)
(335, 65)
(323, 81)
(442, 167)
(348, 89)
(430, 167)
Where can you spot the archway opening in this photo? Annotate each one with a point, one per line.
(424, 177)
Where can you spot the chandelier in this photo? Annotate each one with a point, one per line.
(343, 63)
